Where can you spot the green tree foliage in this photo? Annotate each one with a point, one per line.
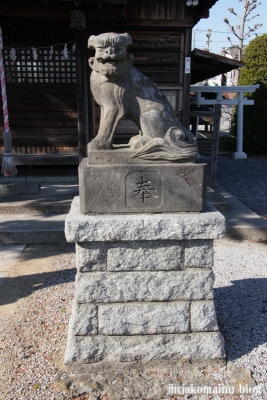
(255, 117)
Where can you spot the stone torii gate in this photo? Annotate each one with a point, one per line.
(239, 101)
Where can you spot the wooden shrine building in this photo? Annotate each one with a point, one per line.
(51, 111)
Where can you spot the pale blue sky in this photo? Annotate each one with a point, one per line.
(220, 29)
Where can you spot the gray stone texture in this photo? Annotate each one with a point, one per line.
(91, 257)
(114, 287)
(130, 256)
(170, 226)
(203, 316)
(144, 286)
(84, 319)
(118, 156)
(129, 188)
(145, 256)
(144, 318)
(90, 349)
(198, 254)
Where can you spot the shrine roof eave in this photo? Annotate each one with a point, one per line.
(206, 65)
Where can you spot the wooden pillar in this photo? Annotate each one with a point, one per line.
(187, 81)
(82, 82)
(215, 142)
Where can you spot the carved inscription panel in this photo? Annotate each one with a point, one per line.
(144, 190)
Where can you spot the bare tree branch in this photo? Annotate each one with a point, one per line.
(243, 31)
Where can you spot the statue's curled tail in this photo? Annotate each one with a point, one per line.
(177, 146)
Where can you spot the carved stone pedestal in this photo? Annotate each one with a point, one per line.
(144, 286)
(111, 181)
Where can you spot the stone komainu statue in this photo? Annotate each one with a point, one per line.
(122, 91)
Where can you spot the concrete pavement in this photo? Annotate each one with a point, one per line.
(242, 222)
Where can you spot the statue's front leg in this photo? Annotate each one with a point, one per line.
(109, 119)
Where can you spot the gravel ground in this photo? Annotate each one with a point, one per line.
(245, 179)
(8, 255)
(241, 305)
(33, 336)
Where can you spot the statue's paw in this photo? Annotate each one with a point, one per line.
(137, 142)
(97, 144)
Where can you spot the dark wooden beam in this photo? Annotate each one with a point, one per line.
(215, 143)
(60, 10)
(187, 80)
(160, 23)
(96, 1)
(82, 92)
(78, 24)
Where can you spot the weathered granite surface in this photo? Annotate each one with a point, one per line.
(130, 256)
(113, 287)
(203, 316)
(145, 256)
(150, 255)
(199, 345)
(144, 318)
(91, 257)
(134, 188)
(84, 319)
(144, 286)
(167, 226)
(199, 253)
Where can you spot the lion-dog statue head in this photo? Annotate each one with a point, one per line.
(111, 57)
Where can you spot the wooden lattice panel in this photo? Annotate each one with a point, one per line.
(51, 64)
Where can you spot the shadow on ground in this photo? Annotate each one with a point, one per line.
(242, 315)
(16, 288)
(34, 270)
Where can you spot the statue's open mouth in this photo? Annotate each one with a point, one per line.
(112, 61)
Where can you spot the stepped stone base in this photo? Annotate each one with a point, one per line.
(86, 349)
(144, 287)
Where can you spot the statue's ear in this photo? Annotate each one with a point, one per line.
(128, 39)
(91, 42)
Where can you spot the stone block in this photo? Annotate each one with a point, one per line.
(203, 316)
(135, 188)
(129, 227)
(84, 319)
(144, 318)
(198, 345)
(113, 287)
(91, 257)
(199, 254)
(141, 256)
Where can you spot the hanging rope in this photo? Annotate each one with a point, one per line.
(8, 165)
(39, 47)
